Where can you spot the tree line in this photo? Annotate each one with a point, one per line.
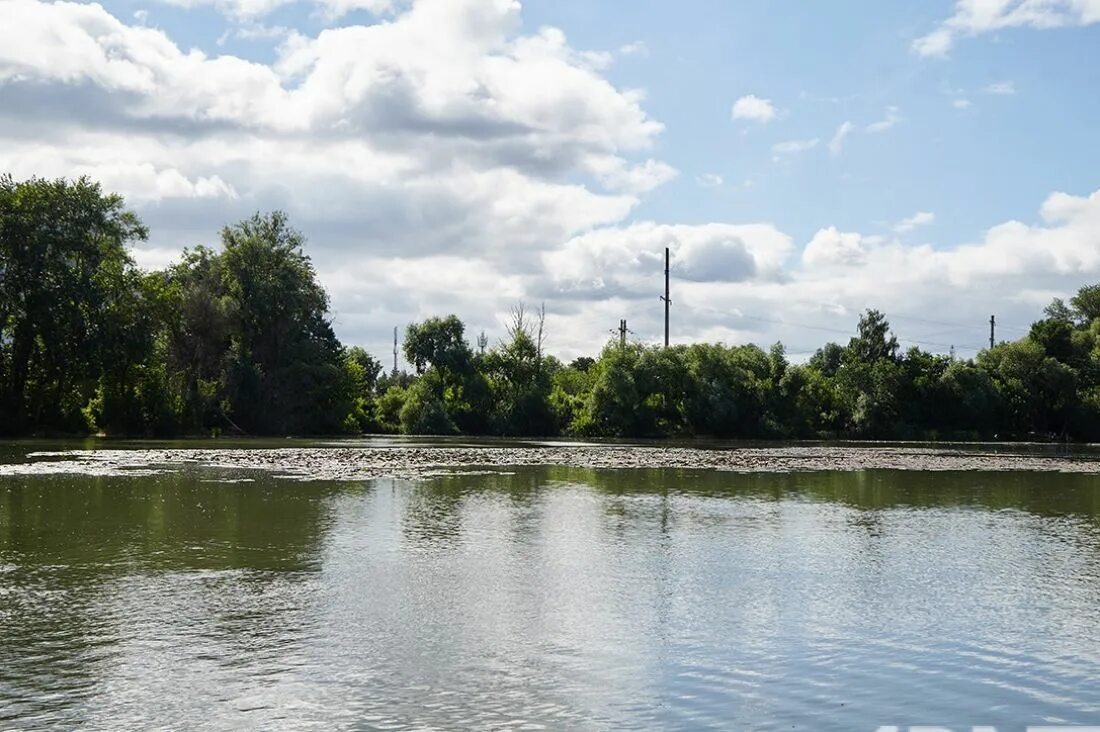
(238, 340)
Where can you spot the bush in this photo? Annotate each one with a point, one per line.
(424, 414)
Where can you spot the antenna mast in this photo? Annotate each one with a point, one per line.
(666, 297)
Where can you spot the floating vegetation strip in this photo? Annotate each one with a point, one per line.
(360, 463)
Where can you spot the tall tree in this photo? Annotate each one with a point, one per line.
(1086, 304)
(875, 342)
(438, 343)
(285, 367)
(63, 269)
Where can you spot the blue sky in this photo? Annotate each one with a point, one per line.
(827, 63)
(475, 158)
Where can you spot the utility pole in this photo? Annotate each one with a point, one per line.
(622, 331)
(992, 329)
(395, 350)
(666, 298)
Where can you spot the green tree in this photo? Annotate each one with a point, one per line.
(438, 343)
(1055, 337)
(1085, 304)
(445, 364)
(199, 318)
(363, 371)
(727, 395)
(874, 342)
(423, 412)
(519, 379)
(134, 395)
(1058, 310)
(64, 272)
(387, 408)
(828, 359)
(613, 405)
(1037, 391)
(870, 392)
(967, 401)
(663, 383)
(284, 368)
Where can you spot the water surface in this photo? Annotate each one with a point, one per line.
(549, 597)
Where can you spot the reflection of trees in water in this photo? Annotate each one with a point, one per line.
(1044, 494)
(434, 509)
(83, 558)
(172, 521)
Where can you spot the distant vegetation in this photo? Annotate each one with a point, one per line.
(239, 341)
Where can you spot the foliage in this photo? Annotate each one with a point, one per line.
(423, 412)
(65, 280)
(238, 339)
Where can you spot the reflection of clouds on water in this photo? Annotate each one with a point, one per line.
(561, 596)
(126, 596)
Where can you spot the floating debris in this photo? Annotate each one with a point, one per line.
(362, 463)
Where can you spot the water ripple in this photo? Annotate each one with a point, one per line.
(548, 600)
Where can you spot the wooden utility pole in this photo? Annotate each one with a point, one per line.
(395, 350)
(666, 296)
(992, 329)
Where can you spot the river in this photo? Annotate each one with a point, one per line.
(219, 594)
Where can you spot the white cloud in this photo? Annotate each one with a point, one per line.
(618, 175)
(793, 147)
(976, 17)
(623, 260)
(961, 104)
(1067, 243)
(442, 160)
(637, 48)
(753, 108)
(253, 9)
(836, 145)
(936, 43)
(841, 273)
(710, 180)
(439, 135)
(889, 120)
(251, 31)
(464, 82)
(921, 218)
(830, 247)
(1004, 88)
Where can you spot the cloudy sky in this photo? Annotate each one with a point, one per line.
(938, 160)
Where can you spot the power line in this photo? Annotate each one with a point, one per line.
(941, 345)
(955, 325)
(894, 315)
(848, 332)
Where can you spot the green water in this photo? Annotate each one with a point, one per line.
(549, 597)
